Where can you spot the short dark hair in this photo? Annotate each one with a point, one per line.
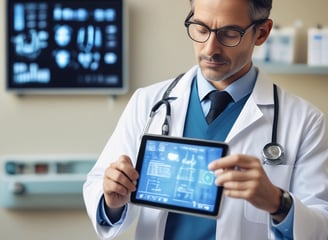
(258, 9)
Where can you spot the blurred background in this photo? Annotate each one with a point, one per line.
(79, 125)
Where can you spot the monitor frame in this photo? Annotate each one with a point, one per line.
(121, 89)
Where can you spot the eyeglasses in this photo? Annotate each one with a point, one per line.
(229, 36)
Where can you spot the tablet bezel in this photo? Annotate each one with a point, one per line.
(169, 207)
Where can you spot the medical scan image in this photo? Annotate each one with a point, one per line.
(65, 44)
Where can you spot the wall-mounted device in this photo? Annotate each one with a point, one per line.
(52, 181)
(67, 46)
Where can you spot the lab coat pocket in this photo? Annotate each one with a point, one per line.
(254, 214)
(279, 175)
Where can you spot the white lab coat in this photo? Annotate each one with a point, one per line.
(302, 131)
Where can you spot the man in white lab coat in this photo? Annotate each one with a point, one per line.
(288, 200)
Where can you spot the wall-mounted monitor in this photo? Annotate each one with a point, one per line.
(66, 46)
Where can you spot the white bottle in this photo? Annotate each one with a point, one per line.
(274, 45)
(315, 46)
(282, 45)
(324, 47)
(287, 41)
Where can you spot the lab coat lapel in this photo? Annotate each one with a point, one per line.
(180, 105)
(262, 95)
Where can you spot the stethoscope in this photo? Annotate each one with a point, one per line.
(273, 152)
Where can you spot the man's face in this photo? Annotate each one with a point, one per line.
(218, 62)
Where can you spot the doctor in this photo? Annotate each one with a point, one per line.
(262, 200)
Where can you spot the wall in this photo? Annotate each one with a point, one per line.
(159, 49)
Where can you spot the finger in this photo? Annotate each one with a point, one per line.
(236, 186)
(223, 163)
(237, 161)
(116, 181)
(120, 177)
(124, 164)
(231, 176)
(125, 159)
(233, 193)
(218, 172)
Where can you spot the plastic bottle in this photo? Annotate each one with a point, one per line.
(282, 45)
(315, 39)
(324, 46)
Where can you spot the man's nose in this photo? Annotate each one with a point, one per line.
(212, 45)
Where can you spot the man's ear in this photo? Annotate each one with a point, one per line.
(263, 31)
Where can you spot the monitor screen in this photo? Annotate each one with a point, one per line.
(66, 46)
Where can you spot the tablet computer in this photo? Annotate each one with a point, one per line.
(173, 175)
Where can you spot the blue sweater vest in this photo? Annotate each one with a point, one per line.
(180, 226)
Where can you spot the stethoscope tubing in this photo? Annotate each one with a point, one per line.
(275, 114)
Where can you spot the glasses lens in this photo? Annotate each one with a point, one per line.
(228, 37)
(198, 33)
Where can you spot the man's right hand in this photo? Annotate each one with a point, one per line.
(119, 181)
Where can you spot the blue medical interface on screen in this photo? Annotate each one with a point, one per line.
(65, 44)
(177, 174)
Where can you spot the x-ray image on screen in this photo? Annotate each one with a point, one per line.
(66, 45)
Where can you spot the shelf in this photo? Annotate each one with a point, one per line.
(281, 68)
(44, 181)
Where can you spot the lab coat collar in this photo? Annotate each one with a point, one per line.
(262, 95)
(263, 90)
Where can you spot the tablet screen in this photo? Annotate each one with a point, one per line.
(174, 174)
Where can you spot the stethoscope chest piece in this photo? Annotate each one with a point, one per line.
(273, 154)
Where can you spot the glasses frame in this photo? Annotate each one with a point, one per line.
(240, 30)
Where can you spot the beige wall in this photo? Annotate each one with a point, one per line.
(159, 49)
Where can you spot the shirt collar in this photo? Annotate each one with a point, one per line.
(238, 89)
